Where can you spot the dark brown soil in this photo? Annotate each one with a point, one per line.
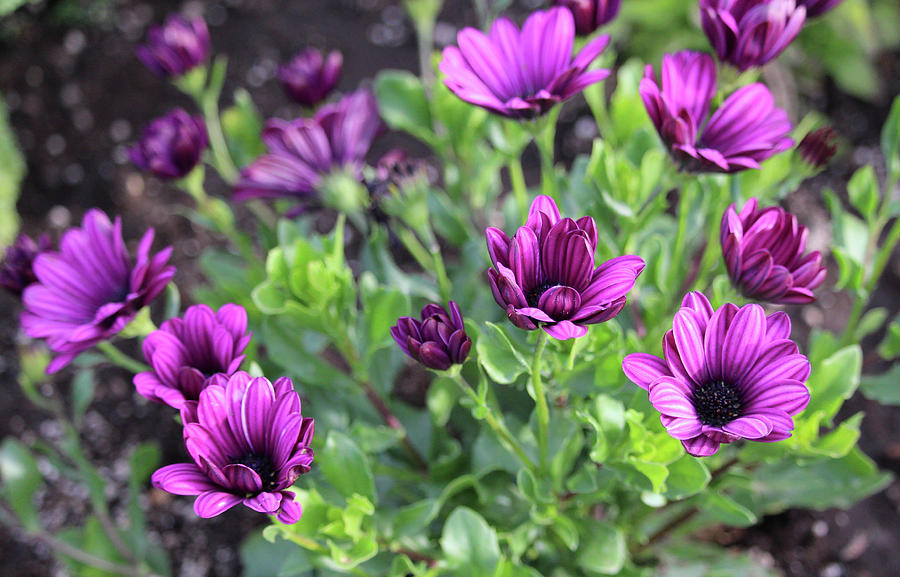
(77, 96)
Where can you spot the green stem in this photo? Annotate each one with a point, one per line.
(540, 398)
(710, 254)
(520, 189)
(209, 105)
(81, 556)
(120, 359)
(498, 426)
(441, 272)
(427, 258)
(544, 134)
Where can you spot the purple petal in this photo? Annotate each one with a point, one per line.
(214, 503)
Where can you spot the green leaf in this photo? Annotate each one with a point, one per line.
(382, 308)
(12, 170)
(499, 357)
(346, 467)
(9, 6)
(242, 125)
(884, 388)
(833, 381)
(863, 191)
(414, 519)
(602, 550)
(687, 476)
(890, 345)
(470, 544)
(142, 462)
(262, 558)
(693, 559)
(20, 479)
(441, 399)
(871, 322)
(890, 141)
(403, 103)
(82, 393)
(726, 510)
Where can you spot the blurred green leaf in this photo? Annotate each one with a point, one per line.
(863, 191)
(261, 558)
(726, 510)
(403, 103)
(603, 549)
(82, 393)
(12, 166)
(884, 388)
(20, 479)
(695, 559)
(687, 476)
(890, 141)
(470, 544)
(833, 380)
(346, 467)
(242, 125)
(890, 345)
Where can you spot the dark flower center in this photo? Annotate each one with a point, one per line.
(263, 467)
(717, 403)
(533, 297)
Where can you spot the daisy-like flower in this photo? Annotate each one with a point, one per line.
(763, 251)
(744, 131)
(438, 341)
(301, 153)
(176, 47)
(171, 146)
(17, 269)
(186, 352)
(310, 76)
(590, 14)
(818, 147)
(91, 289)
(544, 276)
(727, 374)
(521, 74)
(249, 442)
(748, 33)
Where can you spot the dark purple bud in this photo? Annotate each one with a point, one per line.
(16, 271)
(748, 33)
(175, 47)
(590, 14)
(171, 146)
(764, 255)
(438, 340)
(310, 76)
(818, 7)
(818, 147)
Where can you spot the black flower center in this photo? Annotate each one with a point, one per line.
(717, 403)
(263, 467)
(533, 297)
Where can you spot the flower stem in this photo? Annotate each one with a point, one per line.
(544, 134)
(498, 426)
(540, 398)
(120, 359)
(209, 105)
(520, 189)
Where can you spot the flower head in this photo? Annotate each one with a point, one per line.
(521, 74)
(818, 7)
(171, 146)
(590, 15)
(728, 374)
(186, 352)
(763, 252)
(91, 289)
(544, 276)
(175, 47)
(438, 341)
(303, 151)
(310, 76)
(748, 33)
(818, 147)
(248, 442)
(745, 130)
(16, 270)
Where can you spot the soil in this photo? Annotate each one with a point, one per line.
(78, 96)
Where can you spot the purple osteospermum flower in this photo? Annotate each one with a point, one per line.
(310, 76)
(818, 7)
(185, 353)
(763, 252)
(303, 151)
(748, 33)
(728, 374)
(175, 47)
(545, 276)
(16, 271)
(818, 147)
(171, 146)
(438, 341)
(90, 290)
(521, 74)
(249, 443)
(590, 15)
(745, 130)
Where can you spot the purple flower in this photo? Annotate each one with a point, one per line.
(727, 374)
(171, 146)
(185, 353)
(745, 130)
(818, 147)
(818, 7)
(590, 15)
(310, 76)
(303, 151)
(545, 276)
(521, 74)
(90, 290)
(16, 271)
(249, 443)
(748, 33)
(763, 252)
(176, 47)
(438, 341)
